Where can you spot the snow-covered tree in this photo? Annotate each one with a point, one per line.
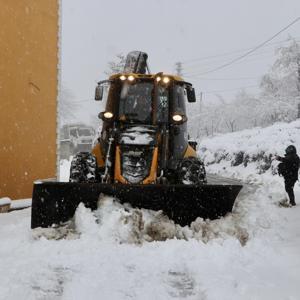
(241, 113)
(280, 88)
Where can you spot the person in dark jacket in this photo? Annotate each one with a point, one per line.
(288, 168)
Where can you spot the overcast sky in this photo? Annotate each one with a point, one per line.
(94, 31)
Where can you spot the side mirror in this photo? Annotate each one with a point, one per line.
(100, 116)
(191, 94)
(99, 93)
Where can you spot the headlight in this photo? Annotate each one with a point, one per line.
(123, 77)
(177, 118)
(166, 80)
(158, 79)
(130, 78)
(108, 115)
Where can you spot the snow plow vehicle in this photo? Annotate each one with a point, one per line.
(143, 156)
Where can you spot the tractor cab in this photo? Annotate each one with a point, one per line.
(146, 99)
(151, 107)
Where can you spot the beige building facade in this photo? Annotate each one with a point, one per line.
(28, 93)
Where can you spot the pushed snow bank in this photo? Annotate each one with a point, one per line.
(119, 224)
(254, 150)
(122, 224)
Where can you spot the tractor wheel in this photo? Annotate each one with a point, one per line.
(83, 168)
(191, 171)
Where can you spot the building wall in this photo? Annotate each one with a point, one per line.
(28, 91)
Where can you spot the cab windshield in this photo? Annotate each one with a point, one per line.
(136, 102)
(84, 132)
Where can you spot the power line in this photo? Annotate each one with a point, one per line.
(233, 52)
(218, 61)
(230, 90)
(244, 61)
(191, 75)
(214, 57)
(228, 79)
(251, 51)
(259, 56)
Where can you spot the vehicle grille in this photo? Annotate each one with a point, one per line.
(136, 163)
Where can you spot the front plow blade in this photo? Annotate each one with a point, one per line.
(56, 202)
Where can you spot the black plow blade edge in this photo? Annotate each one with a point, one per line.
(56, 202)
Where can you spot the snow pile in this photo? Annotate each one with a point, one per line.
(251, 151)
(64, 169)
(122, 224)
(138, 135)
(20, 203)
(5, 201)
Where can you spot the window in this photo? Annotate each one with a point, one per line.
(180, 98)
(73, 132)
(84, 132)
(136, 102)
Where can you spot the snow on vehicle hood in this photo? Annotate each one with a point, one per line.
(137, 135)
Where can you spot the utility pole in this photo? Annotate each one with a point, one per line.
(298, 85)
(200, 102)
(178, 68)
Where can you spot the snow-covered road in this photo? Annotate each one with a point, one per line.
(117, 252)
(251, 254)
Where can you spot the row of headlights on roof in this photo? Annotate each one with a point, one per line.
(131, 78)
(176, 117)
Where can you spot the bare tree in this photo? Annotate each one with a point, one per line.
(117, 65)
(231, 124)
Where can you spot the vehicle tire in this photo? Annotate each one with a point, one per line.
(191, 171)
(83, 168)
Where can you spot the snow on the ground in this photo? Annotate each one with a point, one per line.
(20, 203)
(64, 170)
(16, 204)
(272, 140)
(252, 151)
(5, 201)
(118, 252)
